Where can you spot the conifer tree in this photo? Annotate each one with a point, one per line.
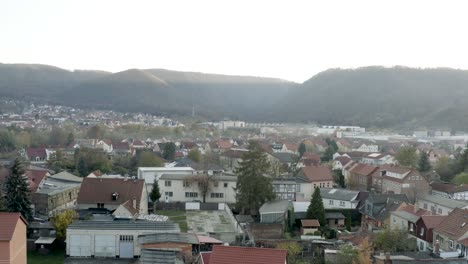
(155, 194)
(424, 164)
(18, 192)
(316, 209)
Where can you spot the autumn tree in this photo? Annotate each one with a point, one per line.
(294, 252)
(195, 155)
(316, 209)
(62, 221)
(444, 168)
(365, 252)
(407, 157)
(18, 192)
(424, 164)
(155, 194)
(395, 241)
(461, 178)
(253, 188)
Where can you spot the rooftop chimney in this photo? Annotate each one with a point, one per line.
(134, 203)
(437, 247)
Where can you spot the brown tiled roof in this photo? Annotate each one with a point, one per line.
(455, 225)
(310, 223)
(317, 173)
(129, 206)
(36, 152)
(100, 190)
(364, 169)
(432, 221)
(224, 144)
(35, 178)
(234, 153)
(443, 186)
(409, 208)
(292, 146)
(8, 224)
(310, 155)
(343, 160)
(121, 146)
(247, 255)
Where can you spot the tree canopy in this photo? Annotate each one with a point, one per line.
(407, 157)
(62, 221)
(316, 209)
(169, 151)
(424, 164)
(18, 192)
(253, 188)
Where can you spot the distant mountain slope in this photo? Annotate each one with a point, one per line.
(371, 96)
(382, 97)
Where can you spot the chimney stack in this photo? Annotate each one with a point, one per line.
(134, 203)
(437, 247)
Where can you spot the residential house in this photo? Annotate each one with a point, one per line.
(396, 179)
(55, 195)
(105, 145)
(450, 190)
(308, 159)
(439, 205)
(377, 207)
(110, 193)
(150, 174)
(361, 177)
(406, 218)
(339, 198)
(367, 148)
(436, 154)
(12, 238)
(246, 255)
(343, 145)
(281, 161)
(340, 162)
(186, 188)
(122, 149)
(200, 168)
(36, 178)
(451, 235)
(112, 239)
(138, 144)
(424, 231)
(346, 170)
(310, 178)
(39, 155)
(309, 226)
(231, 159)
(285, 188)
(378, 159)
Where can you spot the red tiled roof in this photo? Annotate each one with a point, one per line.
(121, 145)
(189, 144)
(432, 221)
(310, 155)
(343, 160)
(36, 152)
(247, 255)
(234, 153)
(100, 190)
(409, 208)
(224, 144)
(310, 223)
(443, 186)
(292, 146)
(364, 169)
(129, 206)
(8, 224)
(455, 224)
(35, 178)
(317, 173)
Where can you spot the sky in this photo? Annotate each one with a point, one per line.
(292, 40)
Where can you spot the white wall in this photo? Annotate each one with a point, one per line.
(178, 190)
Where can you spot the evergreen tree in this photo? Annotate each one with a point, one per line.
(82, 167)
(70, 138)
(424, 164)
(348, 221)
(169, 151)
(302, 149)
(253, 188)
(17, 191)
(316, 209)
(155, 194)
(328, 155)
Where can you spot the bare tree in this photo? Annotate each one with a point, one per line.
(205, 182)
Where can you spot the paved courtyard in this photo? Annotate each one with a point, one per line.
(213, 223)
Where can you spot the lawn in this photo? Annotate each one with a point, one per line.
(55, 257)
(176, 216)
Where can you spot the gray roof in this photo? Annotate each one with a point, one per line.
(384, 197)
(53, 186)
(338, 194)
(407, 216)
(156, 227)
(275, 206)
(160, 256)
(66, 176)
(334, 215)
(444, 201)
(185, 238)
(185, 176)
(285, 157)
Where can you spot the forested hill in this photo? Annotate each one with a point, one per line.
(381, 97)
(371, 96)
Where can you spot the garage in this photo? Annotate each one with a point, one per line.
(126, 246)
(80, 246)
(104, 245)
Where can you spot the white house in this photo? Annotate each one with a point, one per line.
(105, 145)
(378, 159)
(149, 174)
(440, 205)
(185, 188)
(339, 198)
(367, 148)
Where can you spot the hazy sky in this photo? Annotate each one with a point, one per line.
(287, 39)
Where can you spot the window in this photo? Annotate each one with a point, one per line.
(330, 202)
(394, 219)
(328, 184)
(298, 187)
(425, 206)
(100, 205)
(225, 185)
(217, 195)
(439, 210)
(169, 194)
(126, 238)
(186, 184)
(450, 242)
(432, 208)
(191, 195)
(342, 203)
(422, 231)
(167, 183)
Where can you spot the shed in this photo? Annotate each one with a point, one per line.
(309, 226)
(275, 212)
(335, 219)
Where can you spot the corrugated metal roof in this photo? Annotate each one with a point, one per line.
(275, 206)
(168, 238)
(126, 225)
(160, 256)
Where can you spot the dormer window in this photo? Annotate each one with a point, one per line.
(115, 196)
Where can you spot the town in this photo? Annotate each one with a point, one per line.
(96, 186)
